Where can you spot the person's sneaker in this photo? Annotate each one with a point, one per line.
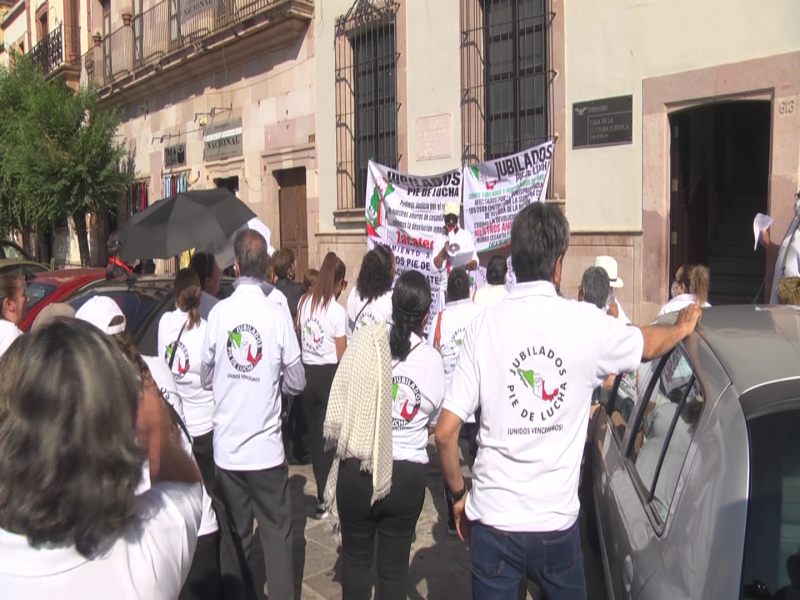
(451, 529)
(321, 512)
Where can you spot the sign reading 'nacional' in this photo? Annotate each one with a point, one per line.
(192, 8)
(223, 139)
(602, 122)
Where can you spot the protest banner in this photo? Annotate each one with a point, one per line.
(407, 209)
(495, 191)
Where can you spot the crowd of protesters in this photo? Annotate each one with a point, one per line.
(152, 491)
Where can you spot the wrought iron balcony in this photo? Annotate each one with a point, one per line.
(55, 50)
(174, 30)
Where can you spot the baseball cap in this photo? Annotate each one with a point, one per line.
(100, 311)
(50, 313)
(451, 208)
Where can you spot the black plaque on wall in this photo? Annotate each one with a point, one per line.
(605, 122)
(175, 156)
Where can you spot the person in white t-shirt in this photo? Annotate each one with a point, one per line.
(181, 333)
(417, 392)
(370, 300)
(787, 264)
(690, 286)
(321, 320)
(531, 364)
(208, 271)
(249, 342)
(203, 580)
(495, 289)
(452, 236)
(72, 522)
(14, 308)
(613, 306)
(447, 338)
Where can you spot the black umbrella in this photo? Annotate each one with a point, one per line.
(187, 220)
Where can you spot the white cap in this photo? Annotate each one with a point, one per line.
(100, 311)
(610, 266)
(451, 208)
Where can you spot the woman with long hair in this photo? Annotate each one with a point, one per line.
(364, 509)
(203, 580)
(14, 308)
(207, 269)
(370, 300)
(321, 320)
(690, 286)
(76, 427)
(180, 342)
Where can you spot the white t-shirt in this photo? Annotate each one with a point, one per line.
(148, 561)
(370, 313)
(463, 238)
(198, 403)
(417, 394)
(248, 341)
(8, 333)
(279, 298)
(318, 331)
(163, 378)
(531, 363)
(489, 295)
(791, 245)
(680, 302)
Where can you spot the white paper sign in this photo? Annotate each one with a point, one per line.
(761, 222)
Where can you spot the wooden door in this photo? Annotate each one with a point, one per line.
(678, 217)
(294, 219)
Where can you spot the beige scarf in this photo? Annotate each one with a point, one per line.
(358, 423)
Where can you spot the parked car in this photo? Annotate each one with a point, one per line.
(143, 299)
(14, 251)
(55, 286)
(695, 465)
(26, 268)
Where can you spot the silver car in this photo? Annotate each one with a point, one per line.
(695, 465)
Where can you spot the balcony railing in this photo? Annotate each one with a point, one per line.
(55, 50)
(167, 27)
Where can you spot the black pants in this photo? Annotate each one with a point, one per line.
(470, 431)
(295, 427)
(394, 519)
(203, 581)
(265, 496)
(319, 379)
(203, 448)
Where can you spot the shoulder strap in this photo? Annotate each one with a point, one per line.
(437, 334)
(175, 348)
(366, 304)
(414, 347)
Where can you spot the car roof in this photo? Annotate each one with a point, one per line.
(62, 276)
(756, 345)
(18, 261)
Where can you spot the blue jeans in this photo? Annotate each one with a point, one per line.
(500, 560)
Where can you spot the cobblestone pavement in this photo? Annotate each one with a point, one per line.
(439, 562)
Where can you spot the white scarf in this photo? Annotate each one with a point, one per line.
(359, 418)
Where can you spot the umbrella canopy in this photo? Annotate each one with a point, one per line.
(187, 220)
(224, 252)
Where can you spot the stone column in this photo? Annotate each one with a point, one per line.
(98, 77)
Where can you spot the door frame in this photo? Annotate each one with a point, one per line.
(293, 157)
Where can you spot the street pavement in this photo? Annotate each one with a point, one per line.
(439, 566)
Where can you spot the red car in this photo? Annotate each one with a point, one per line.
(56, 286)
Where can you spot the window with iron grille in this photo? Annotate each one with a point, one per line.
(366, 96)
(505, 77)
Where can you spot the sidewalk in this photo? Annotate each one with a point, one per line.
(439, 562)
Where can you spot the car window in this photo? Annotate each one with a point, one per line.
(664, 430)
(38, 291)
(11, 252)
(146, 337)
(771, 567)
(621, 405)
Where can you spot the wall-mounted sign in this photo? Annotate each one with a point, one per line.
(175, 156)
(602, 122)
(192, 8)
(223, 139)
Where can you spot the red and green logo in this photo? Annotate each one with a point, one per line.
(244, 348)
(487, 181)
(382, 190)
(407, 401)
(536, 383)
(180, 365)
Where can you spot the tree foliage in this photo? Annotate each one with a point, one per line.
(60, 155)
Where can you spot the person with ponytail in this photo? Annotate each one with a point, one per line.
(180, 343)
(14, 308)
(370, 300)
(321, 320)
(690, 286)
(417, 392)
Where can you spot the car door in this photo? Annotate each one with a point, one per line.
(643, 486)
(608, 452)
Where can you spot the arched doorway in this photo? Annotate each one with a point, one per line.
(719, 174)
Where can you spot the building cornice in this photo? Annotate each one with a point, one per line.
(12, 14)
